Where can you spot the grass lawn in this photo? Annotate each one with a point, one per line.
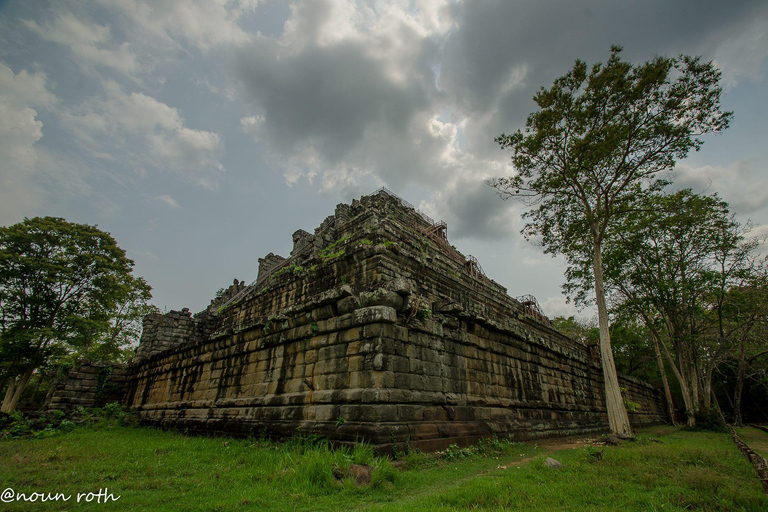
(756, 439)
(665, 469)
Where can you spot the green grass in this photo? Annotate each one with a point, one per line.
(155, 470)
(756, 439)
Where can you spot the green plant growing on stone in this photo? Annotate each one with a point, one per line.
(340, 421)
(333, 250)
(294, 269)
(314, 328)
(424, 313)
(344, 279)
(365, 241)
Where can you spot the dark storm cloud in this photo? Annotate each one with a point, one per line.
(353, 100)
(476, 211)
(544, 38)
(329, 96)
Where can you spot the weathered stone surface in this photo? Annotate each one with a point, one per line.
(375, 328)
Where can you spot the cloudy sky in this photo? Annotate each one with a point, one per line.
(203, 133)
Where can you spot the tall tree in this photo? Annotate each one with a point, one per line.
(747, 316)
(684, 265)
(60, 284)
(600, 140)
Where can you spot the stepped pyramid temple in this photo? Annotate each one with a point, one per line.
(374, 328)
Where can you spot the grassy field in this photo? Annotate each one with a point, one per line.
(755, 438)
(148, 469)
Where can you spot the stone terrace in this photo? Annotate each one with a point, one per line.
(375, 328)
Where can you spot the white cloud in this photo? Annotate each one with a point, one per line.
(745, 188)
(252, 125)
(168, 200)
(150, 134)
(744, 53)
(558, 306)
(20, 129)
(91, 43)
(202, 23)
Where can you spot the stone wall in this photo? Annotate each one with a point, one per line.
(88, 385)
(374, 328)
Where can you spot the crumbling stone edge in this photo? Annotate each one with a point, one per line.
(758, 462)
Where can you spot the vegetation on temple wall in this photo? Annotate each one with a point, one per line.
(334, 250)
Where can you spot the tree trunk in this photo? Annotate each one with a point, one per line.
(12, 400)
(665, 382)
(716, 406)
(740, 376)
(684, 388)
(9, 393)
(618, 420)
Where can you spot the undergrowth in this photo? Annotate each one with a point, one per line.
(151, 469)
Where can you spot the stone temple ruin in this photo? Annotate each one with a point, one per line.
(376, 328)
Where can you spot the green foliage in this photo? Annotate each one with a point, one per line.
(153, 470)
(56, 422)
(601, 141)
(365, 241)
(384, 477)
(424, 313)
(295, 270)
(686, 268)
(334, 250)
(585, 332)
(66, 291)
(362, 453)
(486, 447)
(708, 421)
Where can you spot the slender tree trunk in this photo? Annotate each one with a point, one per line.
(618, 420)
(716, 406)
(8, 394)
(694, 383)
(740, 376)
(685, 389)
(706, 390)
(9, 405)
(665, 382)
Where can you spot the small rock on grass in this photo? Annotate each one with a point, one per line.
(552, 463)
(361, 473)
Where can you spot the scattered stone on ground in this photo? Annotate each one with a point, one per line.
(552, 463)
(361, 473)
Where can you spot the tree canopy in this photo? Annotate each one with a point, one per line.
(61, 286)
(601, 140)
(686, 267)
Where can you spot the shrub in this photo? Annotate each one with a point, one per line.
(709, 421)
